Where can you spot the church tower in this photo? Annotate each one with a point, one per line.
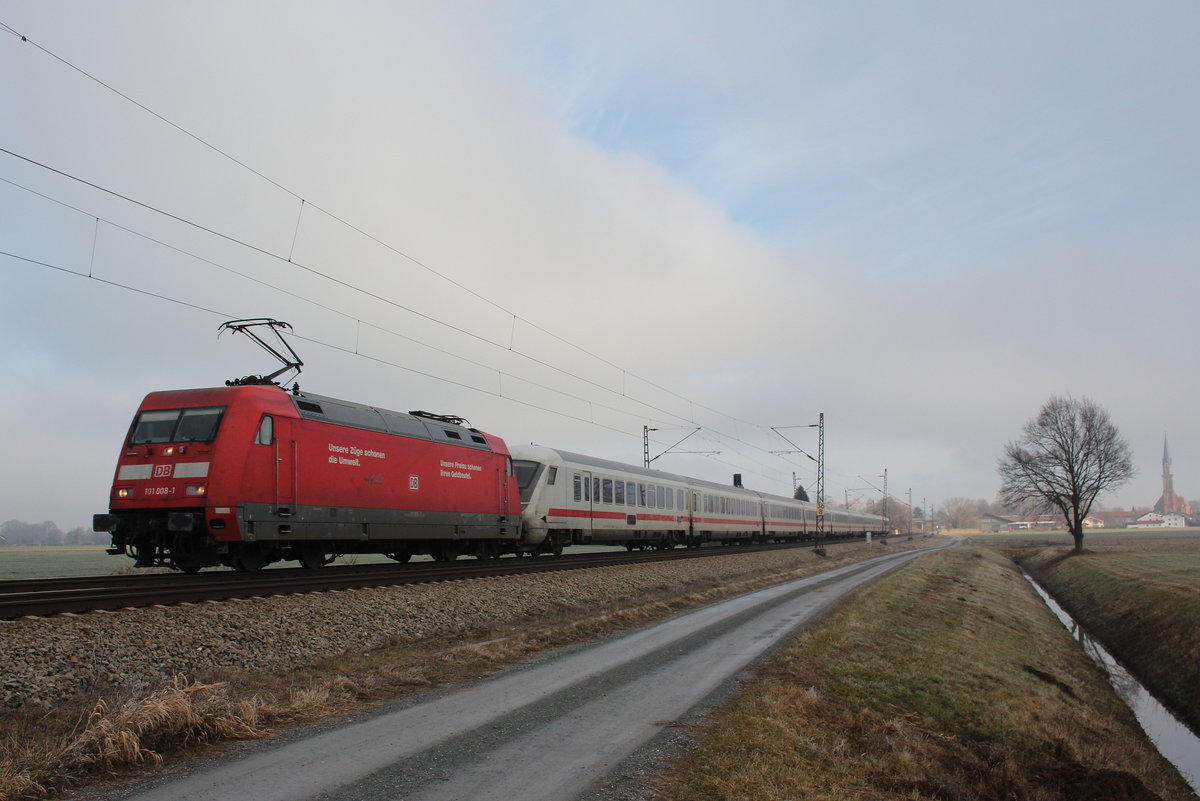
(1170, 503)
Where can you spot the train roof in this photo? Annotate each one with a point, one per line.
(417, 425)
(541, 451)
(593, 461)
(325, 409)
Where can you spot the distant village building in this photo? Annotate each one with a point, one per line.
(1170, 503)
(1157, 520)
(991, 522)
(1118, 519)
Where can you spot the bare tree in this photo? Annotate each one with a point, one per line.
(959, 513)
(1066, 456)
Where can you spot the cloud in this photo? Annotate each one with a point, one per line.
(771, 212)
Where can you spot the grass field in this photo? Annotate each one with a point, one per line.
(1097, 537)
(946, 679)
(34, 561)
(1140, 596)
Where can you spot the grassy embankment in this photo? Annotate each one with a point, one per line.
(947, 679)
(1140, 596)
(114, 732)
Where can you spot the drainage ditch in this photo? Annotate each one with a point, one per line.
(1174, 740)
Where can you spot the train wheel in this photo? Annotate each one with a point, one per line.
(249, 558)
(446, 551)
(310, 556)
(488, 549)
(399, 556)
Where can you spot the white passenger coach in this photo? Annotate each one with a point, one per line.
(568, 498)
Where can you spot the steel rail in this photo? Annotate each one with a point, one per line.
(42, 597)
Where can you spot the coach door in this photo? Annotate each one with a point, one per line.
(285, 466)
(507, 477)
(582, 494)
(693, 509)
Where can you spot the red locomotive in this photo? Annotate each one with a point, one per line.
(249, 474)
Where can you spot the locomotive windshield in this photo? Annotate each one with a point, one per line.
(176, 425)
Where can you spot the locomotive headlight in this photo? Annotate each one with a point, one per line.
(197, 489)
(124, 492)
(169, 450)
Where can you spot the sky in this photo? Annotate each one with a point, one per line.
(566, 222)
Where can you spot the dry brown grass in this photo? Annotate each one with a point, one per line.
(947, 679)
(119, 733)
(114, 732)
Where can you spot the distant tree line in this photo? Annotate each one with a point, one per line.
(965, 512)
(18, 532)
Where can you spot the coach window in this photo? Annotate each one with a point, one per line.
(641, 494)
(620, 493)
(662, 498)
(553, 474)
(266, 431)
(631, 493)
(587, 490)
(670, 498)
(679, 500)
(578, 489)
(596, 490)
(606, 488)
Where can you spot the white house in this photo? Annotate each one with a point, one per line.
(1156, 520)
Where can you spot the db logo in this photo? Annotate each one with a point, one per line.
(162, 470)
(414, 483)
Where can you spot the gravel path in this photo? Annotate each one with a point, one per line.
(44, 660)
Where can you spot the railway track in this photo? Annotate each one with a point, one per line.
(41, 597)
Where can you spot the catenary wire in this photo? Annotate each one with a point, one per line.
(319, 304)
(725, 435)
(352, 287)
(225, 315)
(223, 153)
(334, 347)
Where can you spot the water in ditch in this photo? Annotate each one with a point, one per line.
(1174, 740)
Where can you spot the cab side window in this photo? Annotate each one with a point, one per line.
(266, 431)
